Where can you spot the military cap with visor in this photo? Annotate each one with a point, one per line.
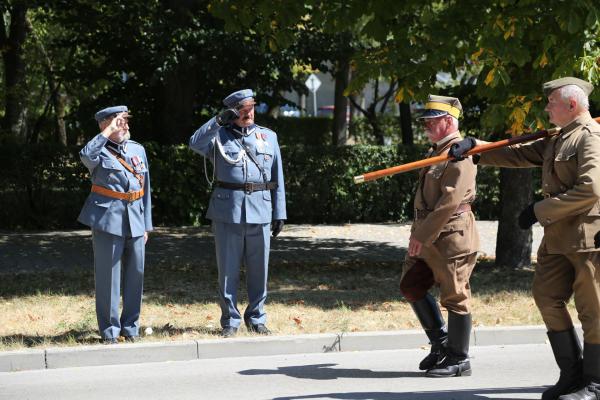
(238, 97)
(550, 86)
(438, 106)
(110, 111)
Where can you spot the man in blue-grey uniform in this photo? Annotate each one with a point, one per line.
(248, 201)
(118, 210)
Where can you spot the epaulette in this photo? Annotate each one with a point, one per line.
(266, 129)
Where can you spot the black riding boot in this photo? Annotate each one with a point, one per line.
(456, 362)
(432, 321)
(567, 353)
(591, 373)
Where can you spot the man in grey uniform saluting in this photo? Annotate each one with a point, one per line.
(248, 201)
(119, 212)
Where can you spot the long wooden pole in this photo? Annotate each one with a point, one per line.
(371, 176)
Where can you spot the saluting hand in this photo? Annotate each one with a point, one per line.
(227, 116)
(117, 124)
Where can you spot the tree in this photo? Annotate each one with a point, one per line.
(12, 39)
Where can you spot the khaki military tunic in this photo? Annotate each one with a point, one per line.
(568, 262)
(445, 225)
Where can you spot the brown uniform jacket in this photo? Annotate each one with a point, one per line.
(570, 161)
(442, 189)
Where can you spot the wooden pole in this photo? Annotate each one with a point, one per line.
(371, 176)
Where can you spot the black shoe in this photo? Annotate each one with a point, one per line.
(228, 331)
(589, 392)
(132, 339)
(110, 341)
(261, 329)
(437, 354)
(449, 367)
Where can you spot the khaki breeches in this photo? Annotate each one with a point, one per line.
(557, 278)
(451, 275)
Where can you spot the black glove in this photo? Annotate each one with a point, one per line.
(277, 226)
(458, 149)
(231, 114)
(597, 239)
(527, 217)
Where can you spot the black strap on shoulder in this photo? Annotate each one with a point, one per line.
(255, 161)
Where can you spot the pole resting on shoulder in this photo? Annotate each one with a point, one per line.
(371, 176)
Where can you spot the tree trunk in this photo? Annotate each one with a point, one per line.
(340, 123)
(406, 124)
(11, 48)
(513, 244)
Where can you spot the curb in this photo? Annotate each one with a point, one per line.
(135, 353)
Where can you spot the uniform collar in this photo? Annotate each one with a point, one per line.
(440, 144)
(576, 123)
(120, 148)
(247, 131)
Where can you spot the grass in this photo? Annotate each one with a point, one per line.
(56, 308)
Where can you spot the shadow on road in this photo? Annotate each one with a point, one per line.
(462, 394)
(325, 372)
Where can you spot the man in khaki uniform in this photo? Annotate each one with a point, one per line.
(568, 257)
(443, 245)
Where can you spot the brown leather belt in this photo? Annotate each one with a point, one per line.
(248, 187)
(421, 214)
(129, 196)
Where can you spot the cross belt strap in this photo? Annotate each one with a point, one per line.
(129, 196)
(128, 167)
(248, 187)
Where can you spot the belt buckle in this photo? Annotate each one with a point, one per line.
(131, 196)
(248, 186)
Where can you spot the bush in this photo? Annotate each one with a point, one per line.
(311, 131)
(44, 186)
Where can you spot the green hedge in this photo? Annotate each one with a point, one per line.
(311, 131)
(44, 187)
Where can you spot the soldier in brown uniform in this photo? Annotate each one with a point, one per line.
(443, 245)
(568, 257)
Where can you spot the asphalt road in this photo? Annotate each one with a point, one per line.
(499, 372)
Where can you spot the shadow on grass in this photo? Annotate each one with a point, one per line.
(91, 336)
(323, 285)
(181, 269)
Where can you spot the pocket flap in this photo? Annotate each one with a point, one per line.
(565, 156)
(111, 164)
